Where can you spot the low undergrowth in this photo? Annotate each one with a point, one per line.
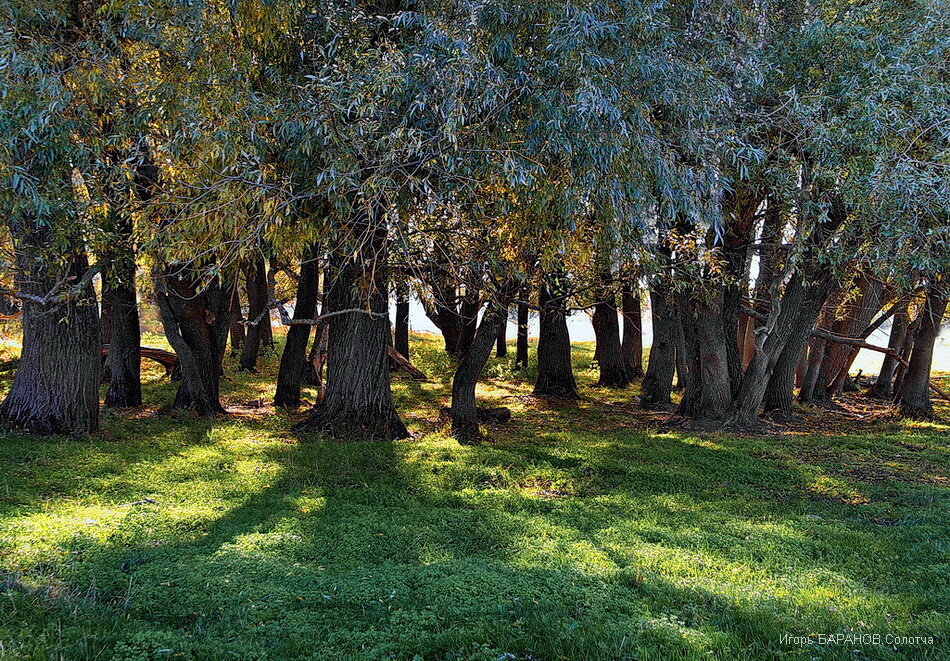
(582, 530)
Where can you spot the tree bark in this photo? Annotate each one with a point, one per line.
(293, 359)
(707, 393)
(610, 358)
(196, 324)
(55, 389)
(501, 342)
(555, 371)
(791, 314)
(657, 386)
(632, 344)
(120, 301)
(883, 388)
(255, 275)
(913, 397)
(358, 403)
(521, 349)
(235, 327)
(401, 334)
(464, 410)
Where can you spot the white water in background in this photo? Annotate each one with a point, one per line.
(579, 325)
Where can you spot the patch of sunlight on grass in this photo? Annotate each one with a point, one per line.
(571, 534)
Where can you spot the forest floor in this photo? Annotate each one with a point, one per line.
(585, 530)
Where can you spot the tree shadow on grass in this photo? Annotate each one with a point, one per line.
(378, 550)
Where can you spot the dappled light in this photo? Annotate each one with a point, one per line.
(231, 536)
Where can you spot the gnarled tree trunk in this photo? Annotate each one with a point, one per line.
(401, 332)
(521, 348)
(55, 389)
(555, 371)
(255, 275)
(464, 410)
(501, 343)
(632, 345)
(358, 403)
(196, 322)
(707, 393)
(293, 358)
(913, 396)
(610, 358)
(236, 317)
(657, 386)
(883, 388)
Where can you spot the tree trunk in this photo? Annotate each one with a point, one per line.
(913, 397)
(55, 389)
(235, 327)
(443, 309)
(883, 388)
(632, 345)
(521, 349)
(657, 384)
(792, 314)
(707, 393)
(401, 334)
(267, 330)
(358, 403)
(196, 325)
(293, 359)
(469, 315)
(255, 275)
(121, 302)
(780, 390)
(610, 358)
(555, 371)
(501, 342)
(464, 410)
(858, 316)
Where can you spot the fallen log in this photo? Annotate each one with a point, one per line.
(398, 361)
(166, 359)
(485, 416)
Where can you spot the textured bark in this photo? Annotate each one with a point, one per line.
(235, 327)
(358, 403)
(468, 312)
(740, 226)
(255, 275)
(464, 410)
(293, 359)
(125, 343)
(521, 348)
(610, 358)
(913, 397)
(196, 325)
(657, 384)
(401, 334)
(443, 308)
(55, 389)
(770, 268)
(792, 314)
(632, 344)
(555, 371)
(858, 314)
(707, 393)
(810, 392)
(779, 392)
(883, 388)
(501, 342)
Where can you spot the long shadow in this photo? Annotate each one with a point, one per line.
(355, 551)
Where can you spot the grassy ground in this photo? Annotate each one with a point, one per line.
(577, 533)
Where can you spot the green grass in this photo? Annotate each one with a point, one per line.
(574, 534)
